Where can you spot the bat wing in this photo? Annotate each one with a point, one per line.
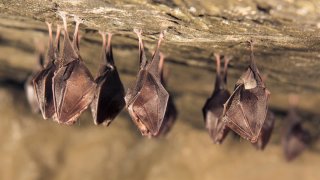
(266, 131)
(132, 92)
(109, 97)
(169, 118)
(58, 88)
(31, 94)
(245, 111)
(150, 105)
(43, 87)
(73, 91)
(212, 112)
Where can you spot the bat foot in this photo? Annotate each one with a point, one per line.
(62, 14)
(137, 31)
(77, 19)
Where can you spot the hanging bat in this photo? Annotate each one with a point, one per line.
(28, 86)
(246, 109)
(73, 85)
(213, 108)
(266, 131)
(109, 95)
(147, 101)
(42, 82)
(171, 113)
(294, 138)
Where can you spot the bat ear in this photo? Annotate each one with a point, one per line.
(68, 52)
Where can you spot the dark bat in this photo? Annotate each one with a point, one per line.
(42, 82)
(266, 131)
(147, 101)
(294, 138)
(73, 85)
(213, 108)
(171, 110)
(109, 95)
(28, 85)
(246, 109)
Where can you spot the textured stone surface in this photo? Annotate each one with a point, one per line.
(287, 43)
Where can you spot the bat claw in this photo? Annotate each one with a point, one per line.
(102, 33)
(161, 36)
(48, 23)
(77, 19)
(62, 14)
(137, 31)
(139, 34)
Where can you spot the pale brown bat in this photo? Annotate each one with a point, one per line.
(73, 84)
(147, 101)
(213, 108)
(266, 131)
(42, 82)
(109, 95)
(171, 110)
(294, 137)
(246, 109)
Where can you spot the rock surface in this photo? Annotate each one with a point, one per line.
(287, 43)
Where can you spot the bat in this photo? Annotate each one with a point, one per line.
(73, 85)
(171, 112)
(109, 95)
(42, 82)
(246, 109)
(28, 85)
(213, 108)
(266, 131)
(294, 138)
(147, 100)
